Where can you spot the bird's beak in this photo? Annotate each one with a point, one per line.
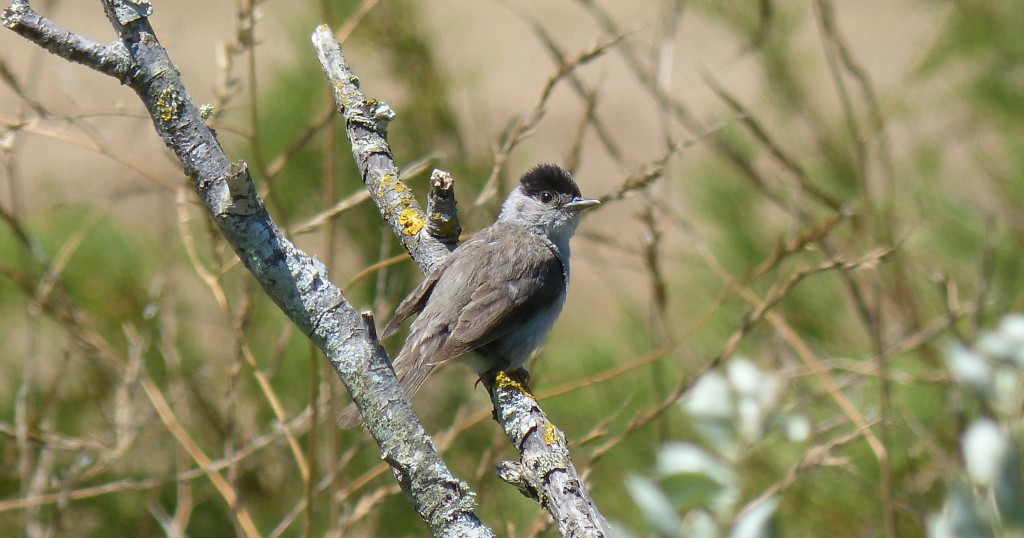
(579, 204)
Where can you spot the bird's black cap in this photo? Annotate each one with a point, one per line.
(551, 178)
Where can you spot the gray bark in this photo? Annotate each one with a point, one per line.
(296, 282)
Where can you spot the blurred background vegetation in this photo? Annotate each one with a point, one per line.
(831, 190)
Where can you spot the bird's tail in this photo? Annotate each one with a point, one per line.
(411, 373)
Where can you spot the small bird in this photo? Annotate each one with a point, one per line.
(499, 292)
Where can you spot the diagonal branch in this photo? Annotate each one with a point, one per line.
(295, 281)
(545, 471)
(111, 59)
(366, 122)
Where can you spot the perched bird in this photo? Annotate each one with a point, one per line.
(498, 293)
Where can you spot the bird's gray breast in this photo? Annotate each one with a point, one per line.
(534, 274)
(498, 294)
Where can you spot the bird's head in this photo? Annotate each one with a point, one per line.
(548, 201)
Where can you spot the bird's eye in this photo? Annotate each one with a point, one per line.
(546, 197)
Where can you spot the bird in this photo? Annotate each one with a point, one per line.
(496, 297)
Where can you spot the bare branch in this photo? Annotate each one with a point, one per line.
(545, 471)
(521, 128)
(111, 59)
(442, 217)
(295, 281)
(366, 121)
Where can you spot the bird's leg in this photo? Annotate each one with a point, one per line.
(520, 379)
(523, 375)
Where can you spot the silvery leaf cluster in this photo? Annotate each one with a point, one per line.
(737, 409)
(994, 369)
(987, 498)
(697, 489)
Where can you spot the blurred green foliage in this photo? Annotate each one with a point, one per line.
(925, 174)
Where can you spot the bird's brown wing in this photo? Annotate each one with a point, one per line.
(407, 374)
(489, 281)
(509, 295)
(414, 302)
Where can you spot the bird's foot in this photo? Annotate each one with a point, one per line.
(520, 379)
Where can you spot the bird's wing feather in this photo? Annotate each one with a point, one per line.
(511, 296)
(483, 318)
(414, 302)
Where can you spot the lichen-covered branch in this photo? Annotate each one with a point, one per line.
(545, 471)
(297, 282)
(366, 121)
(111, 58)
(442, 216)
